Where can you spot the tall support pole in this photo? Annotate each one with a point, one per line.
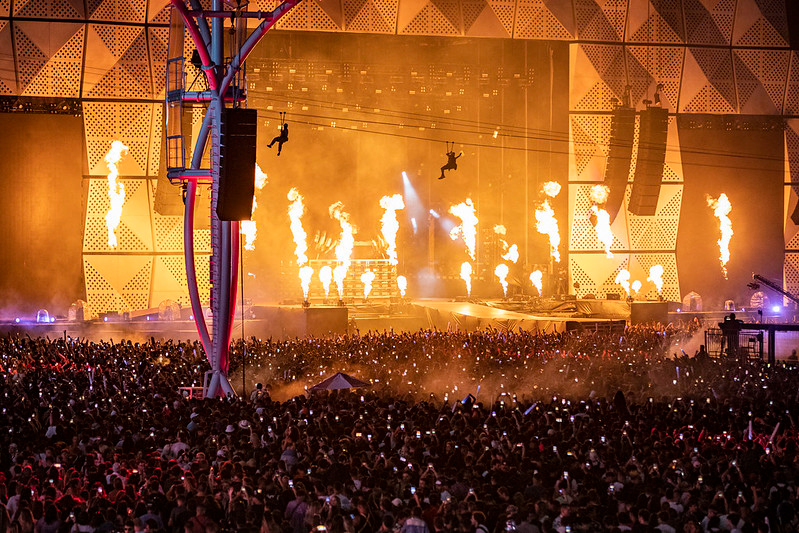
(224, 234)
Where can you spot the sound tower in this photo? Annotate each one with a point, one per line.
(237, 164)
(620, 151)
(652, 133)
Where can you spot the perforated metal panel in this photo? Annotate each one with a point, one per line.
(639, 269)
(55, 9)
(590, 138)
(708, 85)
(435, 18)
(582, 233)
(117, 11)
(596, 274)
(158, 11)
(311, 16)
(791, 230)
(709, 26)
(49, 57)
(657, 21)
(117, 63)
(535, 20)
(600, 20)
(117, 282)
(790, 272)
(792, 89)
(672, 166)
(126, 122)
(761, 76)
(8, 76)
(373, 16)
(761, 23)
(598, 76)
(5, 6)
(134, 233)
(169, 280)
(658, 232)
(662, 65)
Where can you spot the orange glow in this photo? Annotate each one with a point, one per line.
(599, 194)
(116, 191)
(551, 188)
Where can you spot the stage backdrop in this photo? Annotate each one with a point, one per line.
(40, 198)
(743, 158)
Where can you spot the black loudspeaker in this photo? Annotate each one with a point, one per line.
(620, 152)
(795, 215)
(652, 133)
(237, 164)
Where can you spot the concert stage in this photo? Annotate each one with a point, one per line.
(295, 321)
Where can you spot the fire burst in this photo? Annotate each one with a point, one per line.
(721, 207)
(623, 279)
(248, 227)
(116, 191)
(599, 194)
(367, 278)
(344, 246)
(656, 276)
(501, 272)
(511, 253)
(326, 276)
(468, 227)
(603, 231)
(390, 224)
(546, 223)
(402, 285)
(306, 274)
(466, 276)
(296, 210)
(537, 279)
(551, 188)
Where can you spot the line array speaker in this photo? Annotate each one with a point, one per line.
(652, 134)
(620, 151)
(237, 164)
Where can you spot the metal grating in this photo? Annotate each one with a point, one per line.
(127, 122)
(590, 143)
(117, 10)
(658, 232)
(790, 272)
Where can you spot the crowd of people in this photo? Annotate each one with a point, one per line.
(461, 432)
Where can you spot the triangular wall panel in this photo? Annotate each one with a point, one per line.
(8, 77)
(544, 19)
(761, 23)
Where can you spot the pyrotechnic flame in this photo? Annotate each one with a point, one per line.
(402, 284)
(512, 255)
(599, 194)
(636, 286)
(326, 276)
(367, 278)
(468, 227)
(499, 229)
(248, 228)
(306, 273)
(390, 224)
(603, 231)
(721, 208)
(296, 210)
(656, 276)
(116, 191)
(501, 272)
(551, 188)
(466, 276)
(623, 279)
(537, 279)
(546, 223)
(344, 246)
